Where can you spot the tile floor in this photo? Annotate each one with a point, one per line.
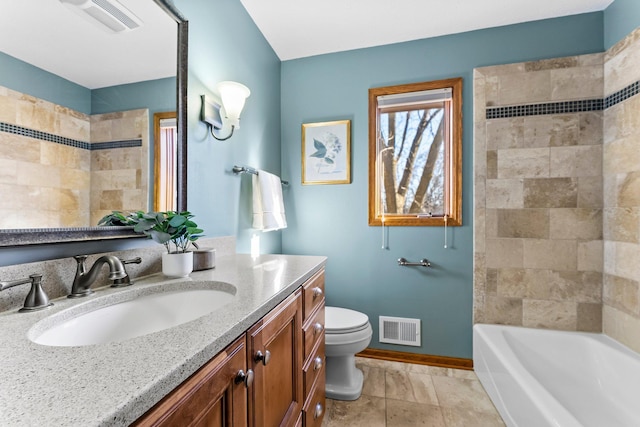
(401, 394)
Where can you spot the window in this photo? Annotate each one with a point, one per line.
(415, 154)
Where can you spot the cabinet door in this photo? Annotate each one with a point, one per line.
(275, 355)
(216, 395)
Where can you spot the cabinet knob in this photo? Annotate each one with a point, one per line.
(317, 363)
(317, 413)
(317, 292)
(247, 378)
(317, 328)
(263, 357)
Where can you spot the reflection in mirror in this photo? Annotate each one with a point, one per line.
(55, 108)
(415, 164)
(165, 137)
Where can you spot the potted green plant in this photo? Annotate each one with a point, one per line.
(175, 230)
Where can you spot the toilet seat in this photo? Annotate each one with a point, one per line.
(344, 321)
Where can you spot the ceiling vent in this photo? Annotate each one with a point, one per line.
(110, 13)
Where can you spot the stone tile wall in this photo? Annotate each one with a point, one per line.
(621, 170)
(54, 184)
(42, 182)
(557, 197)
(119, 176)
(538, 195)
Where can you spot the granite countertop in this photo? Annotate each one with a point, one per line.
(113, 384)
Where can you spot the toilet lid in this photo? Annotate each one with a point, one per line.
(343, 320)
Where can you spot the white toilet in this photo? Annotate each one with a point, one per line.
(347, 332)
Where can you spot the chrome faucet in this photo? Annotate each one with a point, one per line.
(36, 299)
(82, 282)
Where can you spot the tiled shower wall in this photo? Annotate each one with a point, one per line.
(42, 181)
(538, 193)
(557, 193)
(119, 175)
(62, 168)
(621, 170)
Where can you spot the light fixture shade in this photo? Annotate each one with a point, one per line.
(233, 95)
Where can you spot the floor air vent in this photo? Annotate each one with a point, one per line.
(397, 330)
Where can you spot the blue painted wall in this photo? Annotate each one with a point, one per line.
(157, 95)
(23, 77)
(620, 18)
(225, 44)
(332, 219)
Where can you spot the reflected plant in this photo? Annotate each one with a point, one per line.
(117, 219)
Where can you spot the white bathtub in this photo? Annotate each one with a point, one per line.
(540, 378)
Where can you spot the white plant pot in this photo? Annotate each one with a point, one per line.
(177, 264)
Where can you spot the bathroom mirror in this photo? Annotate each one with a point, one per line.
(37, 235)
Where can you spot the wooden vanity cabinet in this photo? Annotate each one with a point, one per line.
(314, 355)
(275, 355)
(272, 375)
(214, 396)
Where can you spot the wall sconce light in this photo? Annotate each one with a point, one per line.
(233, 96)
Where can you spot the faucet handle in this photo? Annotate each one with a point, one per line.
(37, 298)
(126, 280)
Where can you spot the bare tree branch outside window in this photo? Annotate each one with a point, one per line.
(415, 153)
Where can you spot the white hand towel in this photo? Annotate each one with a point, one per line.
(268, 206)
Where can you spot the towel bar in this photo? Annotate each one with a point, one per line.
(253, 171)
(423, 263)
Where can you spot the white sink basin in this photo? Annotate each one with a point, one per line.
(137, 316)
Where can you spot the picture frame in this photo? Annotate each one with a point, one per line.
(326, 152)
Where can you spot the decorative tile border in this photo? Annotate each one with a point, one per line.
(44, 136)
(116, 144)
(622, 95)
(546, 108)
(564, 106)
